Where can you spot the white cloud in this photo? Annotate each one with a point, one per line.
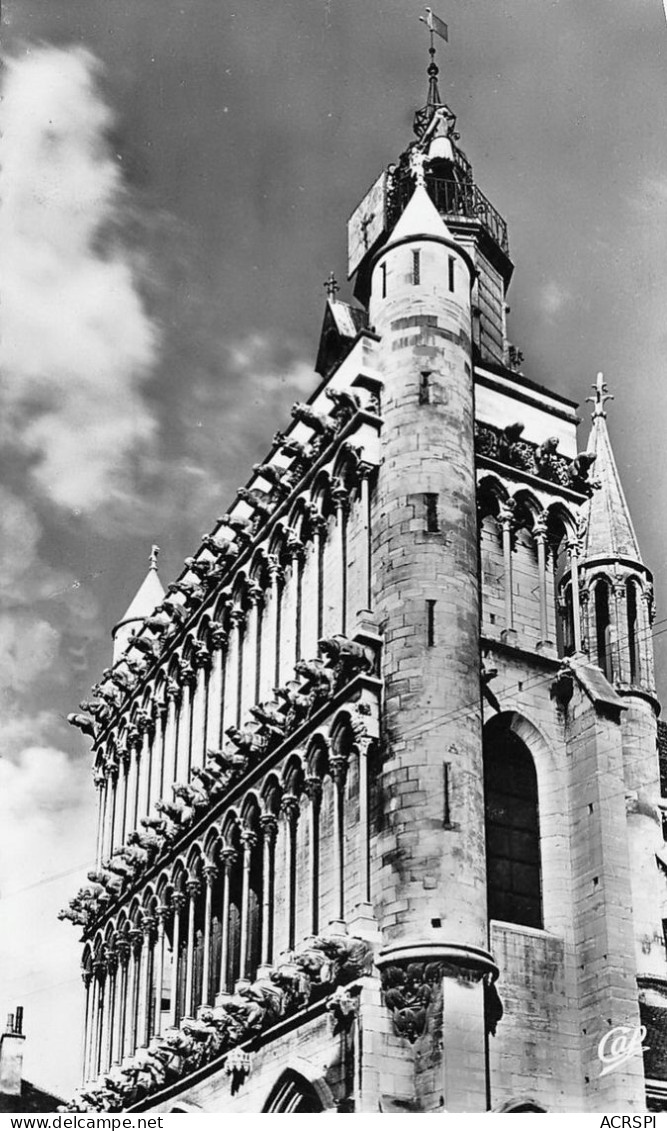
(77, 342)
(46, 829)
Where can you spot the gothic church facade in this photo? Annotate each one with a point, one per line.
(378, 776)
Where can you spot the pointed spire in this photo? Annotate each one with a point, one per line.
(149, 595)
(609, 529)
(420, 218)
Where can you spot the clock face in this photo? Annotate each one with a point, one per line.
(366, 224)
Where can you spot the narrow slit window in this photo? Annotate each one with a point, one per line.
(431, 504)
(430, 623)
(425, 387)
(383, 277)
(416, 268)
(452, 266)
(446, 806)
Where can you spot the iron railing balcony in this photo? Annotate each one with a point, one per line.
(454, 199)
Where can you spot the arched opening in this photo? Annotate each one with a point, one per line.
(293, 1093)
(512, 829)
(603, 629)
(633, 641)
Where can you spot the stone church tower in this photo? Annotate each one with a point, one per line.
(378, 774)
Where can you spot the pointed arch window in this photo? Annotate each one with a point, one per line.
(603, 628)
(633, 640)
(512, 830)
(293, 1093)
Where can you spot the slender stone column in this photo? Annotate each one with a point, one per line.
(620, 645)
(173, 696)
(297, 552)
(218, 637)
(109, 1006)
(573, 551)
(87, 978)
(147, 931)
(106, 805)
(363, 746)
(506, 519)
(177, 902)
(123, 762)
(341, 500)
(210, 872)
(157, 780)
(540, 535)
(112, 779)
(249, 667)
(134, 758)
(364, 471)
(227, 860)
(99, 972)
(339, 775)
(268, 660)
(248, 840)
(144, 782)
(185, 724)
(161, 914)
(118, 1045)
(202, 659)
(135, 937)
(269, 826)
(231, 709)
(100, 784)
(645, 646)
(194, 888)
(290, 809)
(313, 788)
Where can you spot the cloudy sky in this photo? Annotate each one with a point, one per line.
(177, 179)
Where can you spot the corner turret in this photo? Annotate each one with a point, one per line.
(148, 596)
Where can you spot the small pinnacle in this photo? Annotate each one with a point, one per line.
(331, 286)
(155, 550)
(600, 398)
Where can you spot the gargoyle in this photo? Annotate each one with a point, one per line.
(222, 547)
(151, 843)
(260, 501)
(323, 425)
(509, 436)
(228, 762)
(298, 704)
(280, 478)
(193, 796)
(246, 740)
(347, 657)
(270, 718)
(346, 404)
(242, 527)
(83, 722)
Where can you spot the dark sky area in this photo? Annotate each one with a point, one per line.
(174, 221)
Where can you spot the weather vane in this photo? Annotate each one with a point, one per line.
(423, 117)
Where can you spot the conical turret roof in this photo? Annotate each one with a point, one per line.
(149, 595)
(420, 218)
(609, 532)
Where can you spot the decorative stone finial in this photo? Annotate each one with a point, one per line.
(152, 561)
(600, 398)
(331, 286)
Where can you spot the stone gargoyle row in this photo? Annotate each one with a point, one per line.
(321, 964)
(318, 680)
(203, 574)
